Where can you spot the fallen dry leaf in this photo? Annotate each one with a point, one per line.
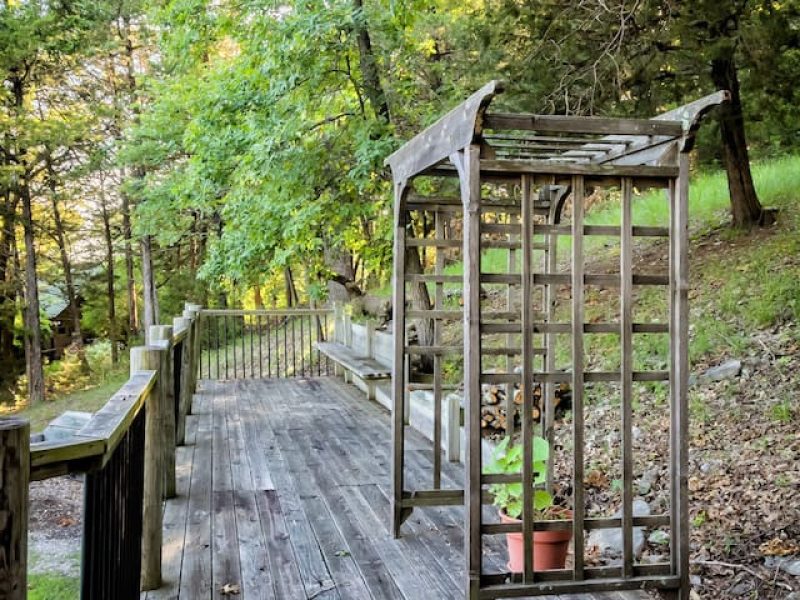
(231, 589)
(779, 547)
(597, 479)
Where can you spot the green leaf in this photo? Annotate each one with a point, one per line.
(541, 449)
(542, 500)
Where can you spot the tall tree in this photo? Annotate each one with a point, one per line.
(63, 250)
(715, 30)
(42, 41)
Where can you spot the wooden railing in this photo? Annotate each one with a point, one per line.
(241, 344)
(127, 451)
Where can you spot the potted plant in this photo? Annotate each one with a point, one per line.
(549, 547)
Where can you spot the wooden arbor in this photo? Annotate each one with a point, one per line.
(523, 182)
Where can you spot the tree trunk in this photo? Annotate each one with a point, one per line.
(66, 264)
(292, 299)
(257, 298)
(342, 285)
(8, 288)
(130, 80)
(369, 65)
(33, 329)
(133, 312)
(222, 296)
(420, 300)
(110, 292)
(148, 284)
(745, 207)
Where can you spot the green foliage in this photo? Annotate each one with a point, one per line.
(49, 586)
(89, 399)
(268, 129)
(66, 375)
(507, 459)
(783, 411)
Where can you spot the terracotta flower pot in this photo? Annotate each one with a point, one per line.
(549, 547)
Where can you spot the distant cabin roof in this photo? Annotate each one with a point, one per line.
(52, 300)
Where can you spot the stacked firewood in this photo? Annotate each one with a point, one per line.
(493, 404)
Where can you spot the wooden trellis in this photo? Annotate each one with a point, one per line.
(522, 184)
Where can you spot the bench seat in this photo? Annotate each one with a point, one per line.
(363, 367)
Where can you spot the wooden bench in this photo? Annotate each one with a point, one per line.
(366, 368)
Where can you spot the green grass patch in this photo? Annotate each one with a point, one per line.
(47, 586)
(741, 281)
(88, 400)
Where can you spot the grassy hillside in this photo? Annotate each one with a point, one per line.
(731, 292)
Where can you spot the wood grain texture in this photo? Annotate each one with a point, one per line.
(14, 473)
(145, 358)
(363, 366)
(321, 529)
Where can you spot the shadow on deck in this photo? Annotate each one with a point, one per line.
(283, 492)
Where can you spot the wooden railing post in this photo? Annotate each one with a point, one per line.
(348, 341)
(192, 311)
(338, 322)
(369, 333)
(188, 349)
(15, 437)
(161, 336)
(196, 350)
(181, 376)
(146, 358)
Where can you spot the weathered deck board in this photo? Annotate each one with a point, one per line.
(196, 576)
(283, 490)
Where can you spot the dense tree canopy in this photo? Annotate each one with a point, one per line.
(233, 151)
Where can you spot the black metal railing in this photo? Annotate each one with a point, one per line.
(242, 344)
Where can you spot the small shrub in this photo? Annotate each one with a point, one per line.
(66, 375)
(98, 355)
(782, 412)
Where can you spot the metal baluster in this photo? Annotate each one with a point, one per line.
(225, 333)
(216, 346)
(277, 348)
(302, 349)
(208, 353)
(285, 349)
(294, 348)
(269, 347)
(324, 333)
(244, 348)
(235, 367)
(260, 341)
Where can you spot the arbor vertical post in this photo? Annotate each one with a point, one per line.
(14, 473)
(398, 359)
(577, 284)
(679, 375)
(146, 358)
(470, 179)
(161, 336)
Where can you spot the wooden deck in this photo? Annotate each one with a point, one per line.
(283, 492)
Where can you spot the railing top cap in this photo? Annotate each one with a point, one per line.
(13, 422)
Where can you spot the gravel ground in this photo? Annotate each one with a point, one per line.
(54, 539)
